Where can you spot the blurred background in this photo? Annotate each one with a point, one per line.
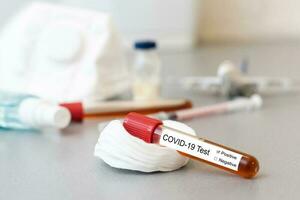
(178, 54)
(178, 24)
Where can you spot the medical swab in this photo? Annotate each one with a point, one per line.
(153, 131)
(239, 104)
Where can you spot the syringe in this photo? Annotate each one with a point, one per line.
(238, 104)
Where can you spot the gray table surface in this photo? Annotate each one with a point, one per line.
(61, 165)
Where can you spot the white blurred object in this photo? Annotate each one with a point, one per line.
(28, 112)
(121, 150)
(231, 82)
(62, 54)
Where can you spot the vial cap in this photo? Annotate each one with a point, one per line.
(141, 126)
(145, 44)
(76, 110)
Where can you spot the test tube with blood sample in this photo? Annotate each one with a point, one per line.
(153, 131)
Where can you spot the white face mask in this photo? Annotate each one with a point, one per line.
(62, 54)
(119, 149)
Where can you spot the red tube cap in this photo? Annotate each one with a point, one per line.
(76, 110)
(141, 126)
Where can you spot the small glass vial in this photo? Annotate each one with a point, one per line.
(28, 112)
(153, 131)
(146, 78)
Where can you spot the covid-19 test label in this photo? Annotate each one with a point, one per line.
(200, 149)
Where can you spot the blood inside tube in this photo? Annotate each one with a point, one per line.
(153, 131)
(209, 152)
